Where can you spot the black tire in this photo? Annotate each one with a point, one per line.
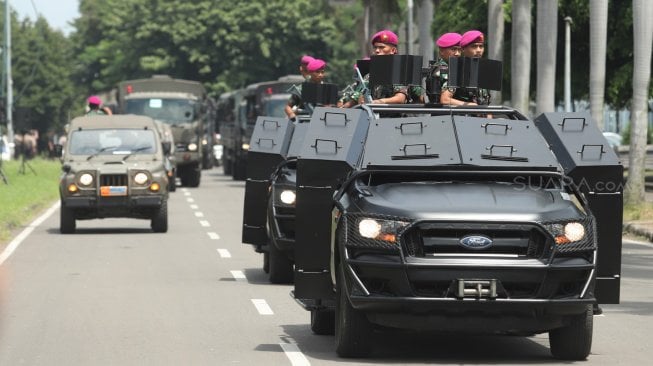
(67, 224)
(266, 262)
(193, 177)
(281, 267)
(323, 322)
(159, 222)
(353, 330)
(226, 166)
(574, 341)
(172, 183)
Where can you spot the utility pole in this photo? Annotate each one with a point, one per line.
(568, 22)
(10, 95)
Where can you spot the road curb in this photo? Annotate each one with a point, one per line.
(643, 229)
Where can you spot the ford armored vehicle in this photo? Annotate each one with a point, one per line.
(179, 104)
(114, 166)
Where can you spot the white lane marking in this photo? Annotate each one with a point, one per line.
(186, 193)
(293, 353)
(238, 275)
(262, 307)
(199, 214)
(213, 236)
(11, 247)
(224, 253)
(194, 207)
(184, 189)
(190, 200)
(204, 223)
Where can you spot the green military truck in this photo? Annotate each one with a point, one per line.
(179, 104)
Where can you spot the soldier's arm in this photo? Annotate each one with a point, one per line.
(446, 97)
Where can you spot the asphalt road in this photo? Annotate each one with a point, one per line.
(115, 293)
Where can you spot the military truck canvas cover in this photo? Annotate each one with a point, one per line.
(159, 83)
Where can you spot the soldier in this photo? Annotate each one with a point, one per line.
(306, 59)
(385, 43)
(95, 107)
(448, 46)
(473, 45)
(316, 72)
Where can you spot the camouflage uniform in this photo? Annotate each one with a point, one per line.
(412, 92)
(96, 112)
(478, 96)
(295, 99)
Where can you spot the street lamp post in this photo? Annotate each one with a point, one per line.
(568, 22)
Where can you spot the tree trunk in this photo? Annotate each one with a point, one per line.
(425, 17)
(520, 68)
(547, 37)
(642, 45)
(598, 43)
(495, 38)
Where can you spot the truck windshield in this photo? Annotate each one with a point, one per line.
(171, 111)
(112, 142)
(275, 107)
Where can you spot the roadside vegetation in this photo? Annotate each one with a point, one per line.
(26, 195)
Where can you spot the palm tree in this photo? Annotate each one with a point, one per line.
(547, 36)
(598, 43)
(495, 37)
(520, 68)
(642, 44)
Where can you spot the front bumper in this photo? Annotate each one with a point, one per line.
(89, 207)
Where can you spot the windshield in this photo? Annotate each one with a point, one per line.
(167, 110)
(275, 107)
(112, 142)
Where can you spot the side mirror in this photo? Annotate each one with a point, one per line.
(166, 147)
(66, 168)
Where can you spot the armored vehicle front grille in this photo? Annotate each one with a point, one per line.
(113, 180)
(181, 147)
(433, 239)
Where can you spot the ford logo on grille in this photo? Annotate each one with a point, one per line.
(476, 242)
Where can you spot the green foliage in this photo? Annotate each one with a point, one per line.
(625, 135)
(26, 194)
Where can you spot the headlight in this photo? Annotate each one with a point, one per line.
(288, 197)
(570, 232)
(140, 178)
(385, 230)
(245, 146)
(192, 146)
(86, 179)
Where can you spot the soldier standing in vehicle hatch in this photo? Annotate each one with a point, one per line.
(473, 45)
(316, 71)
(448, 46)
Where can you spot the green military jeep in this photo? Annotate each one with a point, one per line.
(114, 166)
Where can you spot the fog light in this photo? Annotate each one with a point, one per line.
(72, 188)
(155, 187)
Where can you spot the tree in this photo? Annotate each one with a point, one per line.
(598, 43)
(521, 55)
(495, 37)
(547, 35)
(642, 45)
(425, 20)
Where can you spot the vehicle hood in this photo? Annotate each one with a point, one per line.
(114, 165)
(465, 201)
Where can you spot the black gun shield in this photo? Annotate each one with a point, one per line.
(395, 70)
(332, 148)
(320, 94)
(268, 147)
(588, 160)
(473, 72)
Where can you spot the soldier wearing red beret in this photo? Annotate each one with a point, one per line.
(315, 73)
(473, 45)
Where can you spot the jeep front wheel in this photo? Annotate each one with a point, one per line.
(159, 222)
(573, 341)
(67, 223)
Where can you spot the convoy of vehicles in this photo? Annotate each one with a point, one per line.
(182, 105)
(114, 166)
(237, 114)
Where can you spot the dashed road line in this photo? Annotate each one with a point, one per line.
(205, 223)
(190, 200)
(213, 236)
(186, 193)
(194, 207)
(199, 214)
(238, 275)
(262, 307)
(294, 354)
(224, 253)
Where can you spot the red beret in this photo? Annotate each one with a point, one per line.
(315, 65)
(472, 36)
(385, 36)
(306, 59)
(448, 40)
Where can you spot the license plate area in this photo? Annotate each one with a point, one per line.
(112, 191)
(480, 289)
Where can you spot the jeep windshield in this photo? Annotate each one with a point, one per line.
(112, 142)
(170, 111)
